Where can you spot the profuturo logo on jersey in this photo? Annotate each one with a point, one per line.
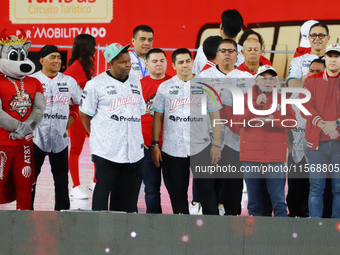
(193, 100)
(187, 119)
(61, 11)
(119, 102)
(3, 159)
(26, 171)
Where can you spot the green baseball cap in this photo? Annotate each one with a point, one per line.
(113, 50)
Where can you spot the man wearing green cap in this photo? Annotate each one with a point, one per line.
(111, 108)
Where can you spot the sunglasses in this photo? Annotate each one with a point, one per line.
(223, 50)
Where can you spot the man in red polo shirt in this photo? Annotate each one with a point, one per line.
(151, 174)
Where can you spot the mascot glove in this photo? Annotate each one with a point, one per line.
(23, 130)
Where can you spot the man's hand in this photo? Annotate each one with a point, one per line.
(321, 124)
(156, 155)
(215, 154)
(69, 121)
(145, 146)
(334, 134)
(261, 99)
(328, 127)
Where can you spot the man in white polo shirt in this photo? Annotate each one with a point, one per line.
(111, 108)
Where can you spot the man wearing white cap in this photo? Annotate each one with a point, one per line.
(304, 46)
(111, 108)
(322, 132)
(263, 144)
(299, 67)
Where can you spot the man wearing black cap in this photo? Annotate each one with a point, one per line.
(111, 107)
(50, 138)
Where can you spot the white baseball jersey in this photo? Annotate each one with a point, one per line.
(201, 60)
(299, 66)
(138, 68)
(242, 80)
(116, 109)
(183, 124)
(51, 134)
(298, 133)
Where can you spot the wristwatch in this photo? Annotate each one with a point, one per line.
(337, 123)
(154, 143)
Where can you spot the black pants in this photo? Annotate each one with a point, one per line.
(231, 189)
(59, 168)
(298, 189)
(122, 180)
(206, 189)
(176, 179)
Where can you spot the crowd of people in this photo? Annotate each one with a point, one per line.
(143, 124)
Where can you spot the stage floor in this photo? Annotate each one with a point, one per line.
(44, 200)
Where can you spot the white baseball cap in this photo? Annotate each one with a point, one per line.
(305, 33)
(265, 68)
(333, 47)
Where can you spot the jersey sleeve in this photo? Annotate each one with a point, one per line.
(199, 62)
(75, 91)
(142, 105)
(295, 69)
(213, 102)
(89, 99)
(159, 100)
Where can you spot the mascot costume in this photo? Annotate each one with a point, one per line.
(22, 104)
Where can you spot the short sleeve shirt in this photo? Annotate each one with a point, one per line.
(179, 103)
(240, 79)
(116, 108)
(51, 135)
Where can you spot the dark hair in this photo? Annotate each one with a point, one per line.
(83, 50)
(232, 22)
(228, 41)
(144, 28)
(318, 60)
(246, 34)
(154, 50)
(178, 52)
(210, 46)
(320, 25)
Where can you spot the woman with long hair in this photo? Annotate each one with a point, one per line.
(81, 68)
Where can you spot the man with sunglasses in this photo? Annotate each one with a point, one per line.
(231, 194)
(299, 67)
(298, 71)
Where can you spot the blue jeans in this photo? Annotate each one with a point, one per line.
(151, 175)
(328, 155)
(276, 187)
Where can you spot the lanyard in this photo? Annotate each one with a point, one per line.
(145, 71)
